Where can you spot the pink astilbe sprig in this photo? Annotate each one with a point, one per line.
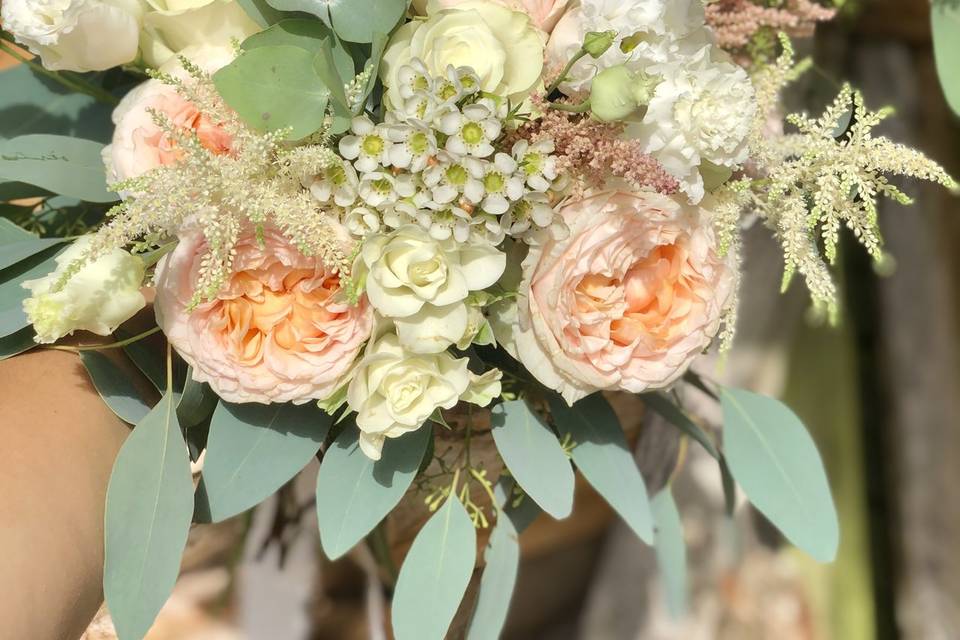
(735, 22)
(590, 151)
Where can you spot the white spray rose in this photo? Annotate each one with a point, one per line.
(395, 391)
(502, 46)
(422, 283)
(76, 35)
(171, 26)
(99, 298)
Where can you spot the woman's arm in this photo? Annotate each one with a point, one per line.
(58, 441)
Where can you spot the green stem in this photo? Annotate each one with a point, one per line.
(71, 82)
(566, 70)
(103, 347)
(583, 107)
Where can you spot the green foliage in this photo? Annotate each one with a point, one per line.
(309, 35)
(115, 387)
(435, 574)
(13, 252)
(534, 457)
(68, 166)
(777, 465)
(354, 493)
(601, 454)
(274, 88)
(261, 12)
(675, 416)
(945, 19)
(671, 551)
(354, 21)
(252, 451)
(501, 563)
(149, 507)
(197, 403)
(16, 343)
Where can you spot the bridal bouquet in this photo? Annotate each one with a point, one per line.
(366, 224)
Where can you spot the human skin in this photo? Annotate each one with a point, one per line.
(59, 441)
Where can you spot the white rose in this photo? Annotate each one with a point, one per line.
(422, 283)
(395, 392)
(502, 46)
(171, 26)
(99, 298)
(76, 35)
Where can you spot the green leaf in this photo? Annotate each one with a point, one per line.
(354, 493)
(149, 505)
(33, 103)
(675, 416)
(945, 19)
(20, 190)
(534, 457)
(12, 293)
(377, 48)
(11, 233)
(309, 35)
(362, 20)
(776, 463)
(197, 402)
(275, 87)
(16, 343)
(68, 166)
(115, 387)
(261, 12)
(435, 575)
(671, 551)
(502, 560)
(601, 453)
(253, 450)
(12, 253)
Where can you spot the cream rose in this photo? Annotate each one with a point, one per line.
(278, 331)
(627, 302)
(544, 13)
(422, 283)
(139, 144)
(395, 391)
(76, 35)
(100, 297)
(170, 26)
(502, 46)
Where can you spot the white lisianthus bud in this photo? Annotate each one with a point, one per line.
(76, 35)
(616, 93)
(98, 298)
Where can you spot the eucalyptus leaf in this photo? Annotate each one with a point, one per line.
(945, 21)
(149, 505)
(11, 233)
(68, 166)
(115, 387)
(501, 560)
(20, 190)
(275, 87)
(671, 551)
(601, 453)
(776, 463)
(16, 343)
(197, 402)
(435, 575)
(253, 450)
(261, 12)
(14, 252)
(675, 416)
(361, 20)
(310, 35)
(354, 493)
(377, 48)
(534, 457)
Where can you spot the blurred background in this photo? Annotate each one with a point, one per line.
(880, 392)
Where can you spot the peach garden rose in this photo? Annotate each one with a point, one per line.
(627, 301)
(278, 331)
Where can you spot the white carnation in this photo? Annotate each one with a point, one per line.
(76, 35)
(702, 110)
(100, 297)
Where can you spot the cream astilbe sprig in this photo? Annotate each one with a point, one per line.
(258, 182)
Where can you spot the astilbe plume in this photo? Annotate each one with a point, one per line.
(821, 178)
(593, 151)
(257, 183)
(737, 22)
